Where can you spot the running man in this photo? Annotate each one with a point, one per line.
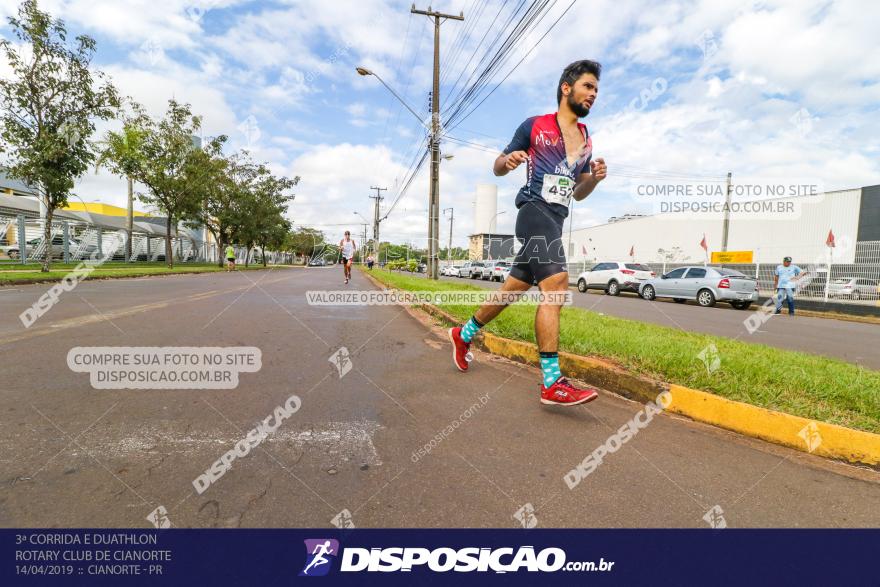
(557, 150)
(347, 246)
(319, 559)
(230, 258)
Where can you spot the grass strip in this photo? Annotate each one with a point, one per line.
(810, 386)
(24, 277)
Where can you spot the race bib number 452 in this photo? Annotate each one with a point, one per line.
(557, 189)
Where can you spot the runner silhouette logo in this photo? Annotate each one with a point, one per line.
(320, 554)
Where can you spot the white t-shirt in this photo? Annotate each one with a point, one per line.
(347, 248)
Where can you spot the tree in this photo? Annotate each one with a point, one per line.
(163, 158)
(49, 104)
(217, 194)
(265, 206)
(304, 242)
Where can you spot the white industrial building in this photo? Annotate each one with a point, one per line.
(852, 215)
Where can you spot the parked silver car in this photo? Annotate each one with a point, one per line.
(495, 270)
(12, 251)
(463, 270)
(854, 288)
(706, 285)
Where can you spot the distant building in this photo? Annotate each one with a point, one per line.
(852, 214)
(487, 245)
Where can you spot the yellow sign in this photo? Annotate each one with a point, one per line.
(732, 256)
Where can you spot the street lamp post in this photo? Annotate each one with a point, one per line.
(364, 242)
(434, 150)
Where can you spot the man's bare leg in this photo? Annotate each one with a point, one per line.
(489, 311)
(547, 315)
(461, 336)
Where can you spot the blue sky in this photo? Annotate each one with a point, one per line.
(778, 88)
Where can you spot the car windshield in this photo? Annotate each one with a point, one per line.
(842, 280)
(637, 267)
(730, 272)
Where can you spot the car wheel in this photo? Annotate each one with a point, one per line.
(705, 298)
(13, 254)
(613, 288)
(679, 300)
(648, 292)
(582, 286)
(856, 295)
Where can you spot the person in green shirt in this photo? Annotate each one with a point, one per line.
(230, 258)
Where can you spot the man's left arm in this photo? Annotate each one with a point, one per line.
(587, 182)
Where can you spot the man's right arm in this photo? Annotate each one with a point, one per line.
(516, 152)
(506, 163)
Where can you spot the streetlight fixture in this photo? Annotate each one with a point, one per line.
(495, 220)
(366, 72)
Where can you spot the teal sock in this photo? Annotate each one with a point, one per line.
(550, 368)
(470, 329)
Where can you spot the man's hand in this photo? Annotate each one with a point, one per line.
(515, 159)
(598, 169)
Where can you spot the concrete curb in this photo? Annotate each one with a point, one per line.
(818, 438)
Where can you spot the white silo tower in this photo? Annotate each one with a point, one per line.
(485, 208)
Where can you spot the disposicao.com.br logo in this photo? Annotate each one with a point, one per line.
(320, 553)
(442, 560)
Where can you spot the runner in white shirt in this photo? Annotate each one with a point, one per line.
(348, 248)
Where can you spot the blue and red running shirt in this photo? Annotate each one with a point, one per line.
(541, 138)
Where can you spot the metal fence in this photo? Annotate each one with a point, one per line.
(22, 240)
(833, 277)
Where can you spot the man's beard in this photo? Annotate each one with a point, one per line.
(579, 109)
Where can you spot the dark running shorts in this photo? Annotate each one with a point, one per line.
(542, 253)
(345, 261)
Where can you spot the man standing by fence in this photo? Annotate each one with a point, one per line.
(784, 281)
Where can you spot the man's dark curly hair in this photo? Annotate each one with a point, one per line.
(574, 71)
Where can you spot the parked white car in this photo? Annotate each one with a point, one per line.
(476, 270)
(614, 277)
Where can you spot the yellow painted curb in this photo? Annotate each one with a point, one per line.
(818, 438)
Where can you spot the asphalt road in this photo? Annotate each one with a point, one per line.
(75, 456)
(855, 342)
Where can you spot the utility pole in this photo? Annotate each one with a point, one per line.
(449, 250)
(364, 245)
(434, 143)
(378, 197)
(129, 221)
(726, 227)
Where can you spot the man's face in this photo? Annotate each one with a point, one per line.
(786, 263)
(582, 94)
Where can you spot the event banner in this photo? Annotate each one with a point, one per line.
(416, 557)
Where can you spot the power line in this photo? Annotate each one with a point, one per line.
(529, 52)
(397, 73)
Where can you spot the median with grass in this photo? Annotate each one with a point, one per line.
(23, 274)
(810, 386)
